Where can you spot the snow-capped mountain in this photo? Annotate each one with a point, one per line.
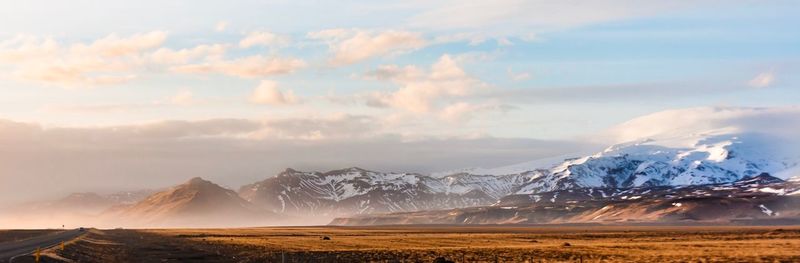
(676, 148)
(359, 191)
(762, 199)
(708, 160)
(667, 149)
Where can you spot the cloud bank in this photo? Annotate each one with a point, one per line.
(54, 161)
(115, 59)
(779, 122)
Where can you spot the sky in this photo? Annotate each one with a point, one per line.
(145, 93)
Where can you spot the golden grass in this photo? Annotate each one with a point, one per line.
(473, 244)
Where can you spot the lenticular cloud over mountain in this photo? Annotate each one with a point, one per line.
(719, 134)
(779, 122)
(696, 146)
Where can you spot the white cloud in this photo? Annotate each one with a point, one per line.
(354, 45)
(22, 48)
(762, 80)
(108, 60)
(115, 46)
(247, 67)
(420, 91)
(268, 92)
(775, 121)
(114, 60)
(260, 38)
(445, 91)
(170, 56)
(183, 98)
(518, 76)
(459, 112)
(221, 26)
(395, 73)
(72, 75)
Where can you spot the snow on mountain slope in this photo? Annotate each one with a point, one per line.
(358, 191)
(762, 199)
(672, 148)
(685, 147)
(714, 159)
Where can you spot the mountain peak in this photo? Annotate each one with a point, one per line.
(356, 169)
(353, 169)
(196, 202)
(197, 181)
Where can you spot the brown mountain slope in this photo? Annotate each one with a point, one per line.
(196, 203)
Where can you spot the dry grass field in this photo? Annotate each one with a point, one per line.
(455, 243)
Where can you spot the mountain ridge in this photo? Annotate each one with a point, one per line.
(759, 200)
(195, 203)
(357, 190)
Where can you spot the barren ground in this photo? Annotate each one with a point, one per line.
(457, 243)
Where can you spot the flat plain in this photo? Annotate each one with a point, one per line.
(454, 243)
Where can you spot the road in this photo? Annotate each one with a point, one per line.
(9, 250)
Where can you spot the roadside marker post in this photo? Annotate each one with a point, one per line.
(62, 245)
(38, 254)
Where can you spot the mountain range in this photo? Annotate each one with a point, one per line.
(359, 191)
(717, 166)
(705, 159)
(758, 200)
